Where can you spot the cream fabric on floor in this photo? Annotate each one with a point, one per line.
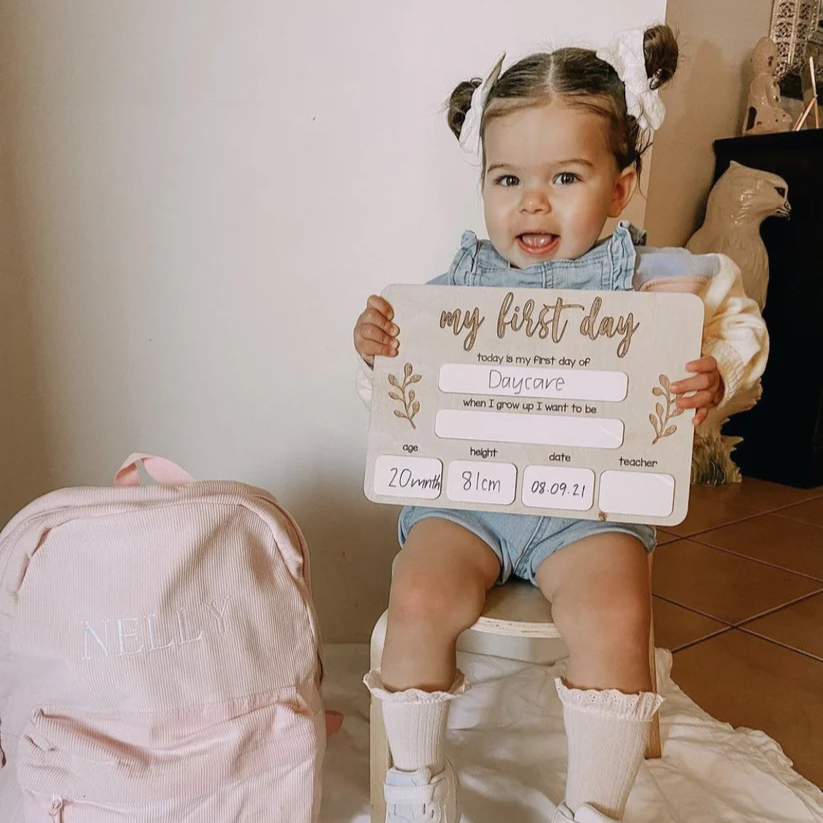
(507, 742)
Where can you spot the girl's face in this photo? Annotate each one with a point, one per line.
(550, 182)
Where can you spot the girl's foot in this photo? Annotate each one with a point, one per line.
(585, 814)
(421, 797)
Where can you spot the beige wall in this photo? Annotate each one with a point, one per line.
(203, 195)
(705, 102)
(23, 468)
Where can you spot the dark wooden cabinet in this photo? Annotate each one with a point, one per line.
(783, 434)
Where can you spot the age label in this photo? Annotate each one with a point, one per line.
(536, 401)
(419, 477)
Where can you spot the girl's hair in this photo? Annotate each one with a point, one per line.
(583, 80)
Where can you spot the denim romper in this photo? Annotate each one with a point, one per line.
(523, 541)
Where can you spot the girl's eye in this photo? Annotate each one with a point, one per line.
(508, 180)
(566, 178)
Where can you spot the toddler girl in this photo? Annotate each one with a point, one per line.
(560, 136)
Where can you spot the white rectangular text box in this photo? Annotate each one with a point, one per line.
(558, 487)
(523, 381)
(475, 481)
(638, 493)
(546, 430)
(396, 476)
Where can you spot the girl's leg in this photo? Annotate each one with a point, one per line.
(438, 590)
(601, 603)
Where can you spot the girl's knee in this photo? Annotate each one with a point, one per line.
(422, 597)
(619, 621)
(626, 615)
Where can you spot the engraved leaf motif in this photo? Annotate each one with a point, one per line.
(664, 413)
(405, 395)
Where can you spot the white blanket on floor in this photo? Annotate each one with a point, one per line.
(507, 742)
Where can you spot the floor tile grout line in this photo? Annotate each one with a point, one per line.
(750, 516)
(795, 520)
(778, 509)
(778, 643)
(815, 496)
(738, 624)
(786, 505)
(770, 612)
(762, 562)
(700, 640)
(749, 633)
(695, 611)
(712, 528)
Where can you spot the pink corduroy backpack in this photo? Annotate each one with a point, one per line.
(159, 656)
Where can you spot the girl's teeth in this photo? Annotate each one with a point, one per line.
(537, 241)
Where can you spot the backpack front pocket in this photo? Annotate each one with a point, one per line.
(247, 759)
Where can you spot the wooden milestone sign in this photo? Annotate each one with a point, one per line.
(535, 401)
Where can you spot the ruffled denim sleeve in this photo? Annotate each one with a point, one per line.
(462, 265)
(673, 264)
(622, 248)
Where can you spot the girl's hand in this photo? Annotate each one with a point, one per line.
(707, 387)
(374, 333)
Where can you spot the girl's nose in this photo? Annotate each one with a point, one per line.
(535, 201)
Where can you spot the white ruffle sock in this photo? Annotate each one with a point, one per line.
(607, 732)
(415, 722)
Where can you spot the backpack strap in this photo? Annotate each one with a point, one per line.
(160, 469)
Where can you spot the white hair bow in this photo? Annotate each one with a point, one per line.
(627, 55)
(470, 130)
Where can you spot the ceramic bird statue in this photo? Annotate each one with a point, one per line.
(739, 202)
(764, 114)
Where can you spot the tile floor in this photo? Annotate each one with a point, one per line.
(739, 600)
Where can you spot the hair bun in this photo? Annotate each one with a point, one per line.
(661, 52)
(459, 104)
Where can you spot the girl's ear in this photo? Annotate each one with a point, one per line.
(624, 185)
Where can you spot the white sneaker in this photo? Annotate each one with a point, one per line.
(420, 797)
(585, 814)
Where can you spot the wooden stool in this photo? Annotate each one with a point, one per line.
(516, 624)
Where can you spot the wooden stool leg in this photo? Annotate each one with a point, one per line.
(379, 761)
(379, 755)
(653, 747)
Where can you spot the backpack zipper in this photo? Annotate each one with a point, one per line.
(56, 809)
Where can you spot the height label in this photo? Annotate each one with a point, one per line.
(535, 401)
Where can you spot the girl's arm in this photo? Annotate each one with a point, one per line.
(363, 382)
(734, 332)
(374, 333)
(461, 265)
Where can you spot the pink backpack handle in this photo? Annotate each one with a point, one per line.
(160, 469)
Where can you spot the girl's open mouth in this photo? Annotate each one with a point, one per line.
(538, 243)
